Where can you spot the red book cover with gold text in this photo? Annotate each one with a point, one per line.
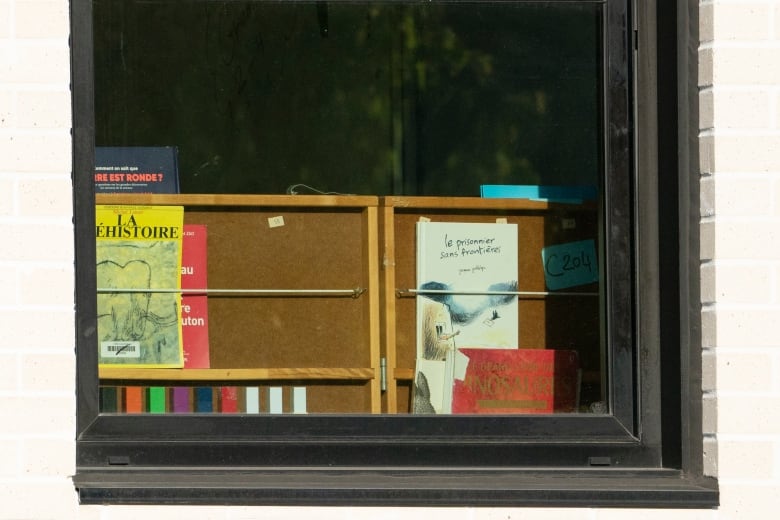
(513, 381)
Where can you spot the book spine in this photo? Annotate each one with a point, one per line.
(229, 399)
(204, 400)
(181, 399)
(157, 399)
(134, 399)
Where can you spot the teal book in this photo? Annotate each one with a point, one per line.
(571, 194)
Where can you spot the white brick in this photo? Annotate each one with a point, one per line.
(36, 64)
(707, 240)
(48, 372)
(707, 196)
(42, 19)
(707, 155)
(745, 66)
(48, 457)
(7, 105)
(748, 415)
(39, 153)
(709, 332)
(746, 501)
(36, 329)
(45, 197)
(734, 109)
(752, 153)
(7, 192)
(706, 22)
(746, 459)
(744, 372)
(708, 287)
(645, 514)
(53, 499)
(748, 328)
(709, 372)
(31, 242)
(709, 415)
(744, 196)
(44, 109)
(9, 374)
(744, 283)
(38, 415)
(710, 456)
(188, 512)
(745, 21)
(748, 240)
(9, 281)
(705, 71)
(10, 454)
(46, 286)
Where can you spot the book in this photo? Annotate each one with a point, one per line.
(467, 295)
(500, 381)
(194, 307)
(252, 399)
(157, 399)
(109, 399)
(228, 399)
(134, 399)
(136, 169)
(180, 399)
(204, 399)
(570, 194)
(138, 251)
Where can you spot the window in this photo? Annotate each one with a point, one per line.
(342, 124)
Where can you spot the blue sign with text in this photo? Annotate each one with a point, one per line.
(570, 264)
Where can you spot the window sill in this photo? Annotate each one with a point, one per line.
(398, 487)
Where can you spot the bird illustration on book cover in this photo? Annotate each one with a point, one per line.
(467, 295)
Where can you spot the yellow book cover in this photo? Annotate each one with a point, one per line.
(138, 250)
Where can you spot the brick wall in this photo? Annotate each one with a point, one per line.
(739, 76)
(740, 163)
(37, 402)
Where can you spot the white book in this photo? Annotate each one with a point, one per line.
(467, 284)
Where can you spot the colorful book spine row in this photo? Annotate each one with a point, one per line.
(202, 399)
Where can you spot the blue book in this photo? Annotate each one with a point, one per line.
(136, 169)
(570, 194)
(204, 399)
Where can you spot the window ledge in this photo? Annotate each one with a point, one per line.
(399, 487)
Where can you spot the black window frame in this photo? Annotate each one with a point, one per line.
(646, 453)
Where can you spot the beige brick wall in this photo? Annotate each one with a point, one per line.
(37, 365)
(739, 76)
(740, 144)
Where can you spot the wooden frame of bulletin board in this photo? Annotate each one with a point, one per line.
(325, 300)
(293, 296)
(546, 320)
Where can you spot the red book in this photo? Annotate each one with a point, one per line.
(194, 307)
(229, 399)
(512, 381)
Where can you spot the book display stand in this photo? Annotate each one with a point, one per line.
(318, 291)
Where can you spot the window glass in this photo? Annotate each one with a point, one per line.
(375, 99)
(372, 98)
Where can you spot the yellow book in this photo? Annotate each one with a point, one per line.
(138, 250)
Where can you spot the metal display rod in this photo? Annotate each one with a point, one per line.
(259, 292)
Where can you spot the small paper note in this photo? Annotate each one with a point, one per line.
(275, 221)
(570, 264)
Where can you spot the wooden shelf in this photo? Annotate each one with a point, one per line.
(235, 374)
(207, 199)
(352, 241)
